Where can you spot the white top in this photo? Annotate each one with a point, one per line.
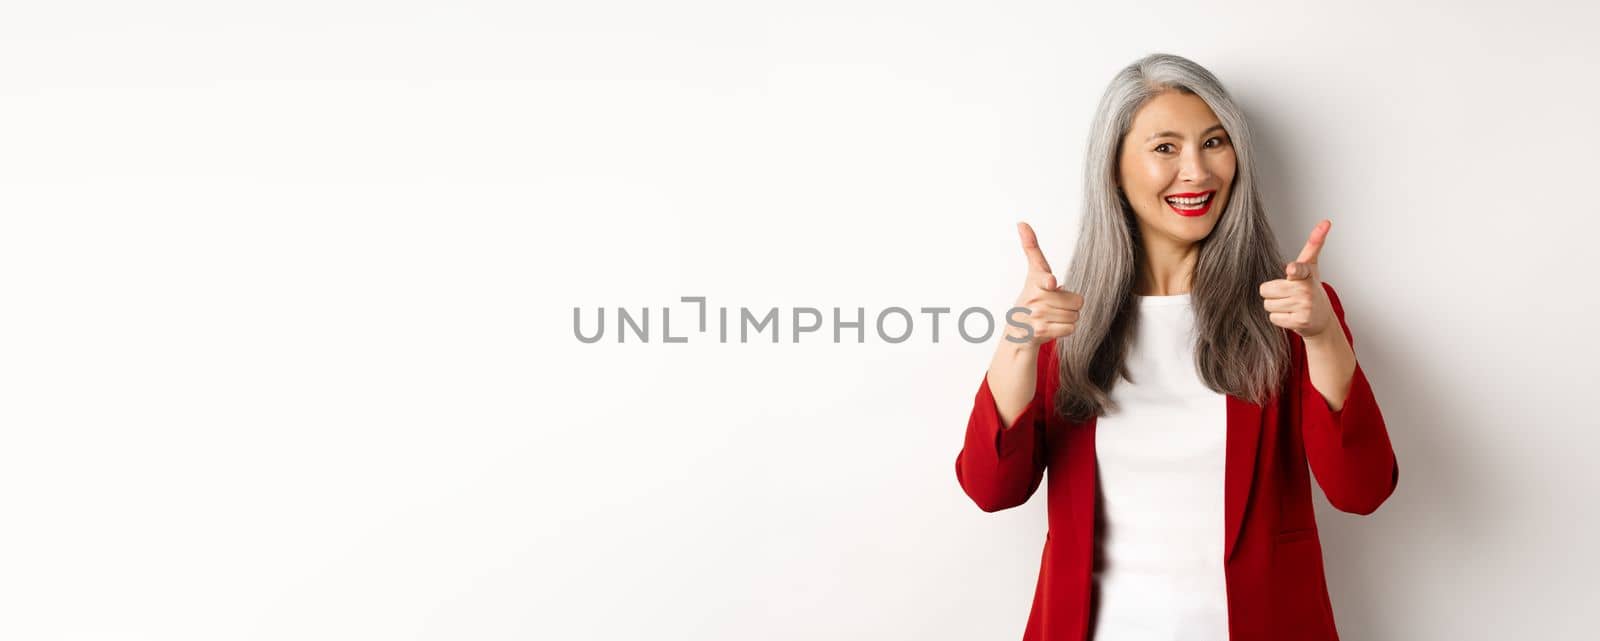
(1161, 455)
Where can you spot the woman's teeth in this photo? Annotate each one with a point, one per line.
(1189, 203)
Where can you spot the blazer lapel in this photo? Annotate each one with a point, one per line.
(1244, 436)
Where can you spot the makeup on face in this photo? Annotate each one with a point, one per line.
(1177, 153)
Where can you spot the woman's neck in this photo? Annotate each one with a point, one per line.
(1168, 270)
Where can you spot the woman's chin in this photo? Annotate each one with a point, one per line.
(1194, 230)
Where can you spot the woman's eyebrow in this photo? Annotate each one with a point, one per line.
(1174, 134)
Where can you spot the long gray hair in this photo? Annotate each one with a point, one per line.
(1239, 351)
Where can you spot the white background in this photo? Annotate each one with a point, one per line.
(286, 294)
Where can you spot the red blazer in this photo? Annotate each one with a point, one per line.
(1273, 561)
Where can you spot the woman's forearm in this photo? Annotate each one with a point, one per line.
(1331, 362)
(1012, 378)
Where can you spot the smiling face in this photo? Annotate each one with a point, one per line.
(1176, 168)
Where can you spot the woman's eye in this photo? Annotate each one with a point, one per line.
(1219, 142)
(1160, 146)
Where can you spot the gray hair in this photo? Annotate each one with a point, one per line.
(1238, 350)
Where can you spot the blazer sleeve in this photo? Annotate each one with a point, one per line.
(1001, 467)
(1349, 450)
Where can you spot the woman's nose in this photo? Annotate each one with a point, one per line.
(1193, 167)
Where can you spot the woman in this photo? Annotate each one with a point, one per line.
(1176, 386)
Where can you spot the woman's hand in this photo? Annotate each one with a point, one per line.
(1297, 302)
(1052, 310)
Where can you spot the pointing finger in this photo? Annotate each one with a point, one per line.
(1308, 254)
(1030, 247)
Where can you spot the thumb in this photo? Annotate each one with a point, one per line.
(1048, 282)
(1298, 271)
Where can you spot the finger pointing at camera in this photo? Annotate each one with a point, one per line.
(1052, 311)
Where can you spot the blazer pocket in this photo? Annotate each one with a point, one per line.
(1290, 536)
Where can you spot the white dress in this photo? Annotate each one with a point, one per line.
(1159, 574)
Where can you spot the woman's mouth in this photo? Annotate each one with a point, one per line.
(1194, 204)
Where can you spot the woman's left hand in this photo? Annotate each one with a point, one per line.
(1297, 302)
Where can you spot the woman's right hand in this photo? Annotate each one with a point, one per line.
(1052, 310)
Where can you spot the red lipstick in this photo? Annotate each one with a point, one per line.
(1199, 211)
